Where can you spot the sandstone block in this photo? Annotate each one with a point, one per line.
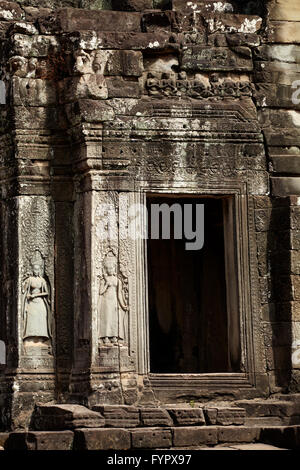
(263, 408)
(225, 416)
(117, 416)
(73, 19)
(10, 11)
(59, 417)
(187, 416)
(232, 23)
(40, 440)
(151, 438)
(132, 5)
(199, 58)
(238, 434)
(155, 417)
(284, 32)
(102, 439)
(285, 186)
(128, 63)
(195, 436)
(284, 10)
(119, 88)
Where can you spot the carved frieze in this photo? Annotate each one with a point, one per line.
(177, 85)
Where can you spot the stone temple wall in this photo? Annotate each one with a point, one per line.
(103, 102)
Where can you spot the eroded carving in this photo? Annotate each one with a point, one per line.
(89, 70)
(172, 84)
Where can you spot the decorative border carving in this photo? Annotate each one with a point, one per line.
(247, 304)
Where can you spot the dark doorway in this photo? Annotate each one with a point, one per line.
(188, 319)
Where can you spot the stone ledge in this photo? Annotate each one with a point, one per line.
(61, 417)
(118, 416)
(48, 440)
(151, 438)
(194, 436)
(285, 186)
(186, 416)
(102, 439)
(154, 438)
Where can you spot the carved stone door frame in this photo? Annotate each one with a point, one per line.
(167, 386)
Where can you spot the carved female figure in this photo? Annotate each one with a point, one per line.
(36, 305)
(112, 304)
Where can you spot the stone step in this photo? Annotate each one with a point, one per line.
(273, 421)
(190, 437)
(284, 410)
(65, 416)
(51, 417)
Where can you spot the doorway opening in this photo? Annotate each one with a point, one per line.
(193, 294)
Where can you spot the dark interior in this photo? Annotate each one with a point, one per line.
(187, 297)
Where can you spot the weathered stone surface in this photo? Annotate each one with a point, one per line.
(284, 10)
(285, 186)
(119, 415)
(230, 23)
(159, 21)
(187, 416)
(279, 52)
(155, 417)
(33, 92)
(58, 417)
(210, 415)
(10, 11)
(286, 437)
(89, 111)
(128, 63)
(198, 58)
(102, 439)
(238, 434)
(119, 88)
(284, 32)
(151, 438)
(194, 436)
(72, 19)
(225, 416)
(202, 6)
(101, 106)
(40, 440)
(132, 5)
(265, 408)
(286, 164)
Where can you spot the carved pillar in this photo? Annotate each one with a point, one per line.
(105, 342)
(27, 243)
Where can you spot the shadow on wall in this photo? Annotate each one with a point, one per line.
(279, 333)
(250, 7)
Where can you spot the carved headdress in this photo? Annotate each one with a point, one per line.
(110, 259)
(37, 259)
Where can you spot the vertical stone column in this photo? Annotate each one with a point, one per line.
(278, 84)
(27, 242)
(105, 329)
